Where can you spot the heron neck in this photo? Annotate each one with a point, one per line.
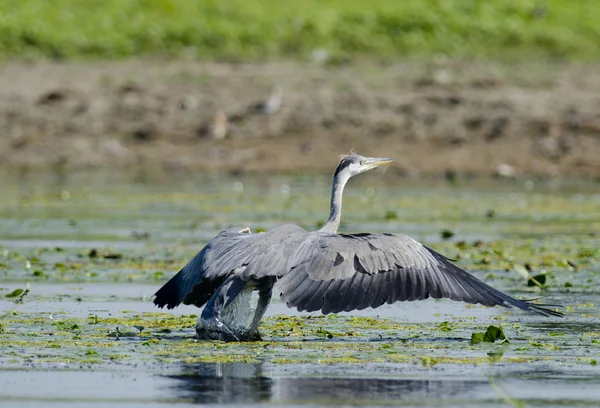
(335, 214)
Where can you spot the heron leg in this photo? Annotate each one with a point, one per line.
(227, 313)
(265, 291)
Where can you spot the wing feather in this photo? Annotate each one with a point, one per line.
(408, 286)
(336, 290)
(367, 299)
(376, 292)
(252, 256)
(356, 293)
(391, 293)
(304, 282)
(368, 270)
(316, 300)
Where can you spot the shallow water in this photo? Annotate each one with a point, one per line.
(94, 248)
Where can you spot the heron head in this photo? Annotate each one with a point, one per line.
(353, 164)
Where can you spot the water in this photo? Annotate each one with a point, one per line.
(93, 248)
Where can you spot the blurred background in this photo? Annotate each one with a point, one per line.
(503, 88)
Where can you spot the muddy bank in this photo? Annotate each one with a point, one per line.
(433, 118)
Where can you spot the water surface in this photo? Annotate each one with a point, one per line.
(94, 248)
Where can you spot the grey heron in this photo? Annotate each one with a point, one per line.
(318, 271)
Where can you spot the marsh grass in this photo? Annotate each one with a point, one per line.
(334, 30)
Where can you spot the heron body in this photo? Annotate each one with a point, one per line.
(318, 271)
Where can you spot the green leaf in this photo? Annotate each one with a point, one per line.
(15, 293)
(477, 338)
(446, 234)
(537, 280)
(492, 334)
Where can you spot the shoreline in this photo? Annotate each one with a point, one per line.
(437, 120)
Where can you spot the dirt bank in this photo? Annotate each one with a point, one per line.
(434, 119)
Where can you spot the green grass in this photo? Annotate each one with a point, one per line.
(271, 29)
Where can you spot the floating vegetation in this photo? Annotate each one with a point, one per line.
(164, 338)
(15, 293)
(492, 334)
(537, 280)
(19, 295)
(446, 234)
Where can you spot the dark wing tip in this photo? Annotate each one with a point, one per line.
(487, 295)
(182, 290)
(172, 293)
(161, 304)
(542, 309)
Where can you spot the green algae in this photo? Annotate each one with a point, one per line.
(92, 341)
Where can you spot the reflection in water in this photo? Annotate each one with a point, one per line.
(246, 383)
(225, 383)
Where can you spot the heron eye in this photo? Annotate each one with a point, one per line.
(362, 162)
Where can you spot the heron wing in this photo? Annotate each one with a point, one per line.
(334, 273)
(260, 255)
(231, 251)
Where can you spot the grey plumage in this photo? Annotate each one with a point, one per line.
(320, 270)
(334, 273)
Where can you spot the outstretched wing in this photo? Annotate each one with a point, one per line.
(197, 272)
(344, 272)
(234, 250)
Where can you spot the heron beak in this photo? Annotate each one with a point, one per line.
(378, 161)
